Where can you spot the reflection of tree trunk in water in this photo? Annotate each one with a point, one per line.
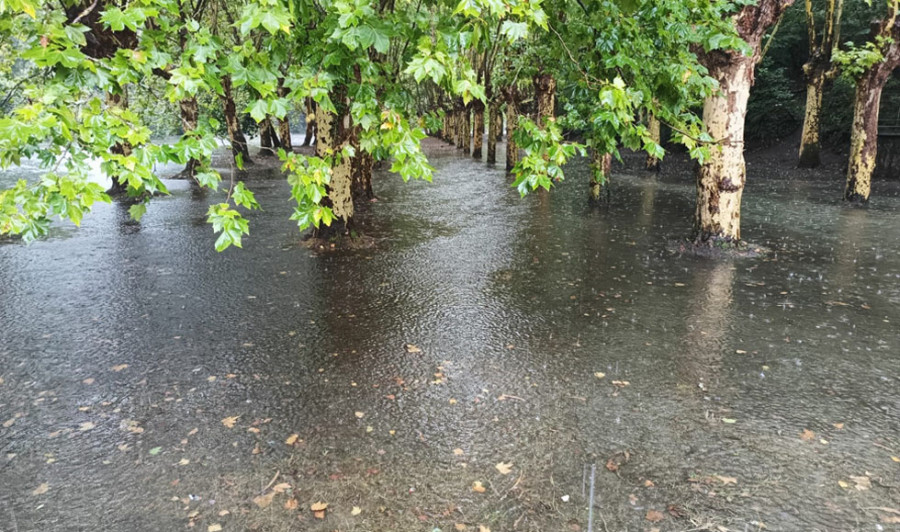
(120, 148)
(310, 122)
(852, 227)
(601, 166)
(235, 135)
(648, 196)
(477, 128)
(190, 116)
(709, 318)
(495, 123)
(653, 127)
(512, 120)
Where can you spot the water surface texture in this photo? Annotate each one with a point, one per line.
(148, 383)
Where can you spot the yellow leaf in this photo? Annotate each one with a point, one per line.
(460, 526)
(838, 426)
(862, 483)
(356, 510)
(118, 368)
(87, 425)
(482, 528)
(230, 421)
(42, 489)
(184, 461)
(504, 468)
(896, 459)
(318, 506)
(281, 488)
(726, 480)
(254, 430)
(458, 452)
(292, 439)
(360, 414)
(263, 501)
(807, 435)
(621, 384)
(214, 528)
(291, 504)
(477, 487)
(843, 484)
(599, 374)
(410, 348)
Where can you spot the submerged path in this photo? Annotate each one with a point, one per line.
(461, 373)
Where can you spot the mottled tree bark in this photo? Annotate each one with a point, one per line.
(119, 100)
(284, 126)
(864, 130)
(495, 123)
(465, 129)
(720, 179)
(332, 137)
(235, 135)
(653, 127)
(512, 119)
(310, 122)
(601, 167)
(817, 71)
(268, 139)
(545, 96)
(190, 116)
(477, 128)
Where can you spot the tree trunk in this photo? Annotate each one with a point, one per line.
(512, 118)
(363, 162)
(268, 138)
(120, 148)
(310, 122)
(495, 123)
(545, 96)
(331, 140)
(235, 135)
(190, 116)
(863, 139)
(465, 130)
(720, 180)
(284, 126)
(652, 160)
(477, 128)
(809, 142)
(601, 166)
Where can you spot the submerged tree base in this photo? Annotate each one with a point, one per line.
(717, 248)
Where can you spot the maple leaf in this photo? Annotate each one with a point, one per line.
(292, 439)
(477, 487)
(230, 421)
(318, 509)
(504, 468)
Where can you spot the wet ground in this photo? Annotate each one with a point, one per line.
(467, 371)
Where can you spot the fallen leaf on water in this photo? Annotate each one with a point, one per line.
(9, 422)
(42, 489)
(281, 487)
(648, 483)
(356, 510)
(482, 528)
(214, 528)
(87, 425)
(412, 348)
(254, 430)
(88, 381)
(843, 484)
(621, 384)
(890, 519)
(263, 501)
(155, 451)
(807, 435)
(292, 439)
(838, 426)
(726, 480)
(460, 527)
(318, 509)
(740, 351)
(230, 421)
(862, 483)
(654, 516)
(184, 461)
(477, 487)
(118, 368)
(360, 414)
(504, 468)
(896, 459)
(291, 504)
(599, 374)
(458, 452)
(729, 420)
(223, 513)
(192, 432)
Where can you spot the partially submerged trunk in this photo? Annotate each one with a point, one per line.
(361, 186)
(512, 118)
(119, 100)
(601, 166)
(477, 128)
(545, 98)
(809, 141)
(268, 139)
(720, 180)
(284, 126)
(495, 123)
(653, 127)
(310, 122)
(235, 135)
(331, 140)
(190, 116)
(864, 130)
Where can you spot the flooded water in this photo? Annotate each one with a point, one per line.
(149, 383)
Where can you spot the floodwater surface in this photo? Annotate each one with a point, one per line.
(472, 368)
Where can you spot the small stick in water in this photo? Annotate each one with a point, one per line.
(591, 507)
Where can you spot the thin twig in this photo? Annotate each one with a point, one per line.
(86, 12)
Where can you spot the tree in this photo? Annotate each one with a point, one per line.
(870, 66)
(817, 70)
